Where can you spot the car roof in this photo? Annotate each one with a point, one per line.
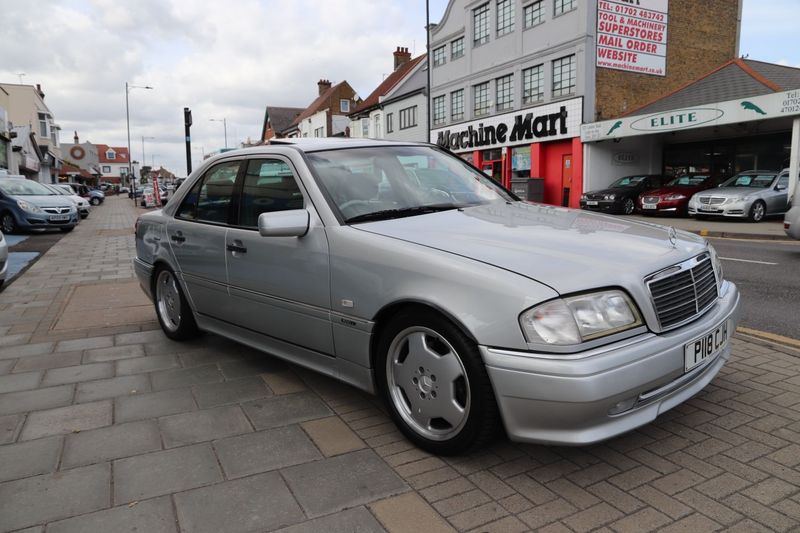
(318, 144)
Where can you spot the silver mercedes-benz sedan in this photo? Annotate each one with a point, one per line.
(404, 271)
(754, 194)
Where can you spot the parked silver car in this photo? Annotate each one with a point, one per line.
(3, 259)
(460, 304)
(753, 194)
(791, 222)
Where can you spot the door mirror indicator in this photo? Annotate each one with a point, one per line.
(293, 223)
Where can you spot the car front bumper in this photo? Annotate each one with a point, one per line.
(730, 210)
(664, 207)
(36, 221)
(606, 206)
(544, 398)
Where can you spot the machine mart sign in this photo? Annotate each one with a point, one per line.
(762, 107)
(559, 120)
(632, 35)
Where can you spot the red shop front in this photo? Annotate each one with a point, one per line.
(540, 143)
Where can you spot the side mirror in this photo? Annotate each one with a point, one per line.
(292, 223)
(780, 187)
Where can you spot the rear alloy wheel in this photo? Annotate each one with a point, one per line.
(628, 206)
(172, 309)
(758, 211)
(435, 384)
(8, 223)
(95, 201)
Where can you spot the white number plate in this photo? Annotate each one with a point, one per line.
(707, 346)
(591, 202)
(707, 208)
(58, 218)
(649, 206)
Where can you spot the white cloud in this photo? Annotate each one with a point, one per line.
(221, 59)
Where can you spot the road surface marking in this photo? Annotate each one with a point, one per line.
(764, 335)
(747, 261)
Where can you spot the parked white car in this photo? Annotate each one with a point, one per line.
(65, 190)
(791, 222)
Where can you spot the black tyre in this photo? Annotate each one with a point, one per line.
(172, 309)
(435, 384)
(7, 223)
(95, 201)
(757, 211)
(628, 206)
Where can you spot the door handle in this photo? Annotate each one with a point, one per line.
(178, 238)
(236, 248)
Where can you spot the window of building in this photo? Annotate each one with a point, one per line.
(439, 56)
(438, 110)
(457, 48)
(344, 105)
(106, 169)
(480, 25)
(505, 17)
(564, 76)
(364, 127)
(110, 154)
(534, 13)
(481, 98)
(377, 124)
(43, 125)
(389, 122)
(457, 105)
(533, 84)
(562, 6)
(408, 117)
(319, 132)
(505, 92)
(269, 186)
(123, 171)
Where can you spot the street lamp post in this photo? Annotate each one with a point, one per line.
(128, 89)
(224, 127)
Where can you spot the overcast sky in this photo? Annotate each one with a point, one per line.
(229, 59)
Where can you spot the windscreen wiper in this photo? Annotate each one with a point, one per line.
(401, 212)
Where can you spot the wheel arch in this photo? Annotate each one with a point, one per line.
(384, 316)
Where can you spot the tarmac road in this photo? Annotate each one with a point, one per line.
(768, 276)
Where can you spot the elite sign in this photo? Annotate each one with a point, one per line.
(762, 107)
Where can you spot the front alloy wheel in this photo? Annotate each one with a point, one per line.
(8, 223)
(758, 211)
(435, 384)
(628, 206)
(95, 201)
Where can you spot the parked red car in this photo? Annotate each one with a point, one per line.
(673, 198)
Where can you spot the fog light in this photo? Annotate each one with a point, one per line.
(621, 407)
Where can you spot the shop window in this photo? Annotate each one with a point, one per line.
(533, 13)
(457, 105)
(533, 84)
(439, 56)
(389, 122)
(480, 25)
(505, 92)
(438, 110)
(564, 76)
(505, 17)
(562, 6)
(457, 48)
(408, 117)
(481, 98)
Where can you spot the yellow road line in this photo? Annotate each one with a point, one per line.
(765, 335)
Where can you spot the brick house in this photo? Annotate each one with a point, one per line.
(326, 116)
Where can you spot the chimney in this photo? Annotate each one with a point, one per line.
(75, 138)
(323, 85)
(401, 57)
(39, 90)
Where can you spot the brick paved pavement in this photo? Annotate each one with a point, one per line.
(106, 425)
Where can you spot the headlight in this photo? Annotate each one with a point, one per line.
(29, 207)
(609, 196)
(675, 197)
(583, 197)
(580, 318)
(739, 198)
(716, 262)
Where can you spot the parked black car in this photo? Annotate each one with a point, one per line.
(620, 196)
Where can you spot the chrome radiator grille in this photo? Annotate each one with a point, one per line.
(711, 200)
(682, 292)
